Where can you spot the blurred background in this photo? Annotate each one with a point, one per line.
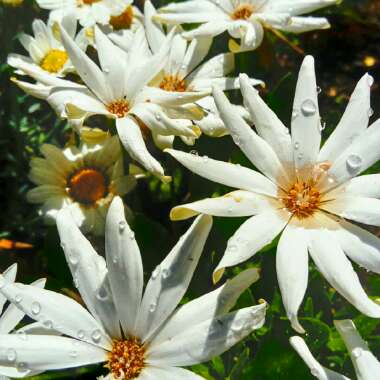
(343, 54)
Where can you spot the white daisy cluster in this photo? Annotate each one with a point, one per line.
(146, 79)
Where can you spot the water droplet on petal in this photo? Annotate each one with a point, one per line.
(357, 352)
(11, 355)
(102, 294)
(232, 248)
(158, 117)
(81, 334)
(36, 308)
(22, 367)
(319, 90)
(296, 145)
(308, 108)
(205, 159)
(194, 152)
(294, 114)
(122, 225)
(73, 354)
(96, 336)
(315, 372)
(73, 258)
(106, 70)
(156, 272)
(18, 298)
(166, 273)
(354, 163)
(370, 80)
(370, 112)
(132, 236)
(152, 307)
(48, 324)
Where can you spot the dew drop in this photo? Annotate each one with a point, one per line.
(18, 298)
(73, 354)
(48, 324)
(132, 236)
(158, 117)
(205, 159)
(300, 156)
(370, 112)
(22, 367)
(296, 145)
(102, 294)
(294, 114)
(194, 152)
(73, 259)
(106, 70)
(122, 225)
(308, 108)
(152, 307)
(36, 308)
(319, 90)
(81, 334)
(156, 272)
(357, 352)
(370, 80)
(232, 247)
(354, 163)
(166, 273)
(11, 355)
(22, 335)
(315, 372)
(96, 336)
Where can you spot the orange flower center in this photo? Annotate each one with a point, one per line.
(87, 185)
(126, 360)
(302, 199)
(120, 108)
(242, 12)
(89, 2)
(173, 83)
(124, 20)
(54, 61)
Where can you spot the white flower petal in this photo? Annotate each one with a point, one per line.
(9, 275)
(252, 235)
(87, 69)
(211, 28)
(210, 338)
(338, 271)
(226, 173)
(317, 370)
(130, 136)
(267, 124)
(215, 303)
(367, 186)
(167, 373)
(367, 367)
(236, 203)
(47, 307)
(304, 24)
(88, 271)
(170, 280)
(39, 352)
(356, 158)
(292, 265)
(353, 122)
(154, 31)
(296, 7)
(360, 209)
(124, 266)
(306, 125)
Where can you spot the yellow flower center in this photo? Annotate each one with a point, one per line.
(89, 2)
(173, 83)
(126, 360)
(54, 61)
(87, 185)
(242, 12)
(120, 108)
(124, 20)
(302, 199)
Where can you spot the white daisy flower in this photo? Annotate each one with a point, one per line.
(245, 19)
(367, 367)
(305, 193)
(184, 71)
(118, 14)
(45, 49)
(136, 334)
(83, 180)
(118, 90)
(9, 319)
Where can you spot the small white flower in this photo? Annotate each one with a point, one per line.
(305, 193)
(186, 70)
(45, 49)
(118, 14)
(9, 319)
(138, 335)
(83, 180)
(244, 19)
(367, 367)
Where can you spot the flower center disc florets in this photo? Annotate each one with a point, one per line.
(124, 20)
(243, 12)
(126, 360)
(120, 108)
(173, 83)
(87, 185)
(54, 61)
(89, 2)
(302, 199)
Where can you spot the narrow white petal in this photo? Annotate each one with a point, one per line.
(131, 137)
(292, 265)
(338, 271)
(306, 125)
(124, 265)
(47, 307)
(226, 173)
(360, 209)
(45, 352)
(304, 24)
(321, 373)
(268, 125)
(170, 280)
(367, 186)
(154, 31)
(9, 275)
(168, 373)
(353, 122)
(210, 338)
(211, 28)
(255, 148)
(367, 367)
(297, 7)
(237, 203)
(213, 304)
(88, 271)
(252, 235)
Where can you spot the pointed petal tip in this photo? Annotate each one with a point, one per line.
(181, 213)
(11, 271)
(217, 275)
(296, 324)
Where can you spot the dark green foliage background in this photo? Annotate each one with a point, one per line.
(26, 123)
